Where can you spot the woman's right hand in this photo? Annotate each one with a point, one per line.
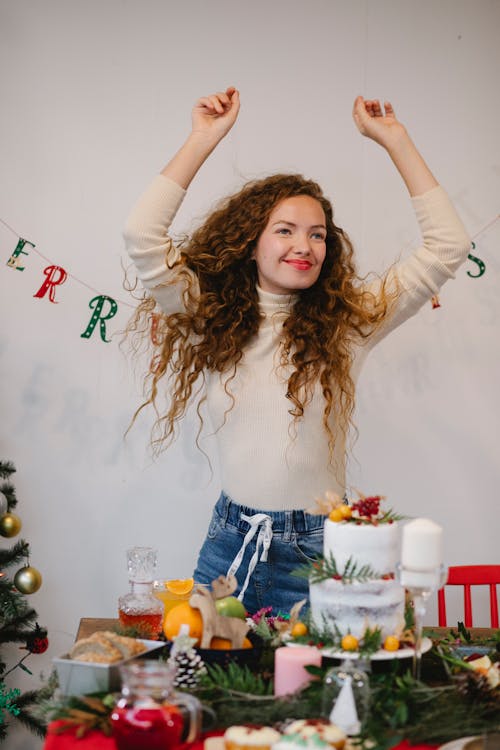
(213, 116)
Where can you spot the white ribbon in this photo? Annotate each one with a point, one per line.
(264, 524)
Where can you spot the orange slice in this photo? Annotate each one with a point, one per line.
(179, 586)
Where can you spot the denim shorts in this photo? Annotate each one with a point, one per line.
(297, 538)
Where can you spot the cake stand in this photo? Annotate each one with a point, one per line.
(380, 655)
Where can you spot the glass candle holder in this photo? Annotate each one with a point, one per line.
(420, 584)
(346, 695)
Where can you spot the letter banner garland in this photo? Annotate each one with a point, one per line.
(104, 308)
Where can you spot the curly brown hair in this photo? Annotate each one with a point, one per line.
(221, 311)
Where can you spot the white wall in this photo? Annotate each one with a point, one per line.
(95, 98)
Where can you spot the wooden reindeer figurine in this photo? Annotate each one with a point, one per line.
(214, 624)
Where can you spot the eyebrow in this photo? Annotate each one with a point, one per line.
(291, 224)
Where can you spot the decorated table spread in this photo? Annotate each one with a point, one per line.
(98, 741)
(61, 736)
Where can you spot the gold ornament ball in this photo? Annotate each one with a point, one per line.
(10, 524)
(27, 580)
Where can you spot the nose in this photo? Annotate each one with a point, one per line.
(302, 245)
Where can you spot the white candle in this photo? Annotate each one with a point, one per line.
(422, 545)
(289, 667)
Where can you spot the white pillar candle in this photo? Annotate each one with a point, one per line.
(289, 667)
(422, 545)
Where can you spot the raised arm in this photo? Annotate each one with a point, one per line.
(382, 127)
(212, 118)
(147, 229)
(445, 242)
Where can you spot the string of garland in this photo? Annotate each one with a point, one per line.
(105, 307)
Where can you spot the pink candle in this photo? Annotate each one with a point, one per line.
(289, 663)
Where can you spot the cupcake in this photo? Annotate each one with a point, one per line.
(250, 738)
(317, 730)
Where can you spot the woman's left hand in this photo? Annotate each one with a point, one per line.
(379, 124)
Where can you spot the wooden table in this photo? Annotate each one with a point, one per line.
(89, 625)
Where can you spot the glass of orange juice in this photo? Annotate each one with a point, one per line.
(173, 591)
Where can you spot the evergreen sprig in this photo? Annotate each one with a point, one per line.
(13, 555)
(13, 609)
(323, 568)
(235, 679)
(6, 469)
(388, 517)
(9, 491)
(16, 621)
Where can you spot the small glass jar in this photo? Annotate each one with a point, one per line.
(140, 609)
(346, 695)
(149, 713)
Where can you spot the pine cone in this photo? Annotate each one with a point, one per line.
(190, 667)
(475, 688)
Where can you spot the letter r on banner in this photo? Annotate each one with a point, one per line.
(55, 276)
(97, 303)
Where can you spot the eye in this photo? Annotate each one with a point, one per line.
(319, 236)
(283, 230)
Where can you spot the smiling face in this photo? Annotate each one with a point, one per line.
(292, 247)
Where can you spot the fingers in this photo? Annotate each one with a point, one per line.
(389, 109)
(372, 108)
(220, 102)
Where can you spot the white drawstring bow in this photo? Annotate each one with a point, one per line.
(264, 524)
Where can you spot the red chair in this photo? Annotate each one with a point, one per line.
(467, 576)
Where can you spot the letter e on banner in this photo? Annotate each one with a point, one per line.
(14, 260)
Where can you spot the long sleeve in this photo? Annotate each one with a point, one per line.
(148, 243)
(445, 246)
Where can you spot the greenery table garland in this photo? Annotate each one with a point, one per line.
(453, 700)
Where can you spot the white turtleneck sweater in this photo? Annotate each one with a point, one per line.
(267, 460)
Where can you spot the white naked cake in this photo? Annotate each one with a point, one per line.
(355, 589)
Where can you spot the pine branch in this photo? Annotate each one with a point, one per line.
(10, 493)
(30, 722)
(17, 635)
(10, 630)
(6, 469)
(13, 555)
(13, 606)
(324, 568)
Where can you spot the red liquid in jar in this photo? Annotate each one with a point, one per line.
(148, 625)
(153, 727)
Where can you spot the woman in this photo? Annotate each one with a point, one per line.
(266, 325)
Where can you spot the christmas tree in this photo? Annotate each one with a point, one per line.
(17, 619)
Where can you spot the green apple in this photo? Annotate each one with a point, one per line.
(230, 606)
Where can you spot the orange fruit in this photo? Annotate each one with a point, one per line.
(345, 510)
(300, 628)
(391, 643)
(336, 515)
(180, 586)
(183, 614)
(350, 642)
(224, 644)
